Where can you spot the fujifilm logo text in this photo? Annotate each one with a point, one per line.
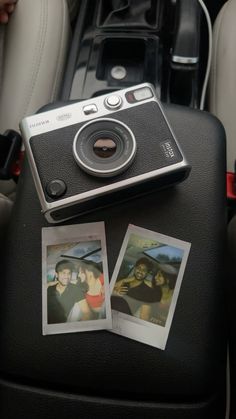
(39, 124)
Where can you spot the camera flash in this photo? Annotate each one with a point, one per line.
(142, 94)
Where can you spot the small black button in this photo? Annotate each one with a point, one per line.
(56, 188)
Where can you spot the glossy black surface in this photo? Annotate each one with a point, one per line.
(103, 48)
(136, 42)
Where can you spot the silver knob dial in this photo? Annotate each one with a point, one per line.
(113, 102)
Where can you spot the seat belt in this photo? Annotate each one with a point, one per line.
(10, 146)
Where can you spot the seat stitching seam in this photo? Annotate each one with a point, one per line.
(38, 55)
(215, 70)
(59, 70)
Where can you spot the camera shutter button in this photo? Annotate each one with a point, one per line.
(56, 188)
(113, 102)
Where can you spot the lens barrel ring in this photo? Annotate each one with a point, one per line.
(109, 131)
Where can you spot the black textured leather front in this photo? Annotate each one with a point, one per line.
(54, 158)
(192, 367)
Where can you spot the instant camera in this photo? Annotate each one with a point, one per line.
(109, 148)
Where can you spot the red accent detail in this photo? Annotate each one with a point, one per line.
(17, 165)
(95, 301)
(130, 97)
(231, 185)
(101, 278)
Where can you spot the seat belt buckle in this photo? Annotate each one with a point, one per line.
(10, 146)
(231, 185)
(17, 165)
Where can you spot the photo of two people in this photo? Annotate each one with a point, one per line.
(146, 280)
(145, 285)
(76, 290)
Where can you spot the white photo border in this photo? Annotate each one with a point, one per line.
(69, 233)
(133, 327)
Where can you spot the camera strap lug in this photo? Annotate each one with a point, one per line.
(10, 145)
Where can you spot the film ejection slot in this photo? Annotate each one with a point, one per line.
(113, 102)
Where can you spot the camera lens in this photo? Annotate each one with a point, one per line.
(104, 147)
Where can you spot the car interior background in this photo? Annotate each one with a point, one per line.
(57, 52)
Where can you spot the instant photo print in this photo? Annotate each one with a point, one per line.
(75, 285)
(145, 285)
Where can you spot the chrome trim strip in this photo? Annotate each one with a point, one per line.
(184, 60)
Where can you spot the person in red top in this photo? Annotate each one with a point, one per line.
(91, 279)
(95, 295)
